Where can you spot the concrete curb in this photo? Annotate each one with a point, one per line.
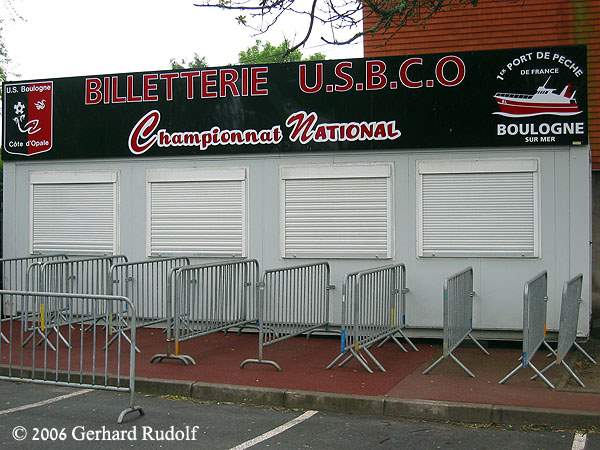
(373, 406)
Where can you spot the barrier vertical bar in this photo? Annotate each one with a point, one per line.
(567, 332)
(535, 299)
(278, 319)
(458, 317)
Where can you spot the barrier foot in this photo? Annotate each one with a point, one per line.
(430, 368)
(510, 374)
(160, 357)
(478, 344)
(457, 361)
(130, 410)
(4, 338)
(260, 361)
(578, 347)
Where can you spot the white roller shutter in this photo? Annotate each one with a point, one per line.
(337, 212)
(478, 208)
(197, 213)
(74, 213)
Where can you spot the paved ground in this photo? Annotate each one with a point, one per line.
(227, 426)
(304, 360)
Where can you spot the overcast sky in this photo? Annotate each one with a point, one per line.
(78, 37)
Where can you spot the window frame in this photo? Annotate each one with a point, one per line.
(77, 177)
(338, 171)
(182, 175)
(478, 166)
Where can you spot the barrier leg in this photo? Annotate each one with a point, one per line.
(572, 373)
(359, 358)
(335, 360)
(377, 363)
(43, 336)
(437, 361)
(123, 335)
(383, 342)
(552, 352)
(578, 347)
(399, 344)
(409, 342)
(4, 338)
(544, 369)
(478, 344)
(132, 407)
(172, 355)
(404, 336)
(457, 361)
(268, 362)
(510, 374)
(541, 375)
(60, 336)
(260, 359)
(356, 354)
(130, 410)
(348, 358)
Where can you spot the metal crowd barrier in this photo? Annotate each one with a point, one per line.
(373, 311)
(567, 331)
(292, 301)
(88, 362)
(74, 276)
(15, 275)
(458, 317)
(208, 298)
(147, 285)
(535, 299)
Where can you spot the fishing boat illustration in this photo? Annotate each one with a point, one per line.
(544, 101)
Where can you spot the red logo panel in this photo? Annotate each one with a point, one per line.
(28, 120)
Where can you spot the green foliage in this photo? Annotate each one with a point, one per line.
(265, 52)
(3, 59)
(195, 63)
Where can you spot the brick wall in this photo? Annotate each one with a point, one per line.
(495, 24)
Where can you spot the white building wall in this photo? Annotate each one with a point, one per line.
(565, 229)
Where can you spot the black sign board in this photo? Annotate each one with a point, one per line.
(518, 97)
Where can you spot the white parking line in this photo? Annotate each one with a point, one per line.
(274, 432)
(579, 441)
(44, 402)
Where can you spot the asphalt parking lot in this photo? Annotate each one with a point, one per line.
(50, 417)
